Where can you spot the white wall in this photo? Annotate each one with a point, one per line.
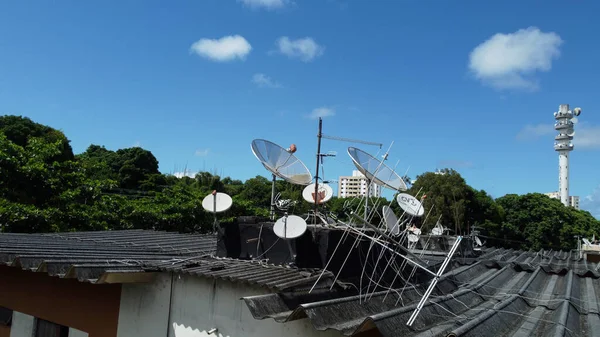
(199, 305)
(144, 308)
(76, 333)
(22, 325)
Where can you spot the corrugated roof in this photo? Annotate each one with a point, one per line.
(505, 293)
(93, 256)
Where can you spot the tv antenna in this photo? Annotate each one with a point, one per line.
(216, 202)
(281, 163)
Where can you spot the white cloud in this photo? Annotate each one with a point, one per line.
(267, 4)
(509, 61)
(185, 174)
(586, 136)
(202, 152)
(265, 81)
(227, 48)
(321, 112)
(535, 131)
(591, 203)
(305, 49)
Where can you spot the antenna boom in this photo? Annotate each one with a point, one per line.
(349, 140)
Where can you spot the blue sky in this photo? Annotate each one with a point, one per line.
(464, 84)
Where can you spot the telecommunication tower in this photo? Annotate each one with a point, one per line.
(565, 122)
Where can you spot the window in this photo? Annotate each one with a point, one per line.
(44, 328)
(5, 316)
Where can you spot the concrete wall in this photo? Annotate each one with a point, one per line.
(76, 333)
(197, 306)
(22, 325)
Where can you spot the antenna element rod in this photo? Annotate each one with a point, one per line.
(316, 197)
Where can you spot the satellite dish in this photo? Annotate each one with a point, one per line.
(281, 162)
(571, 133)
(217, 202)
(375, 170)
(574, 120)
(325, 193)
(289, 227)
(437, 230)
(391, 220)
(410, 204)
(413, 238)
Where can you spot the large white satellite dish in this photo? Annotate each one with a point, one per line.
(324, 194)
(289, 227)
(281, 163)
(391, 221)
(217, 202)
(375, 170)
(410, 204)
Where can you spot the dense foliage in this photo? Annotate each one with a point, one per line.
(44, 187)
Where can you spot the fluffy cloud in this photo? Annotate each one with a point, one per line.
(265, 81)
(321, 112)
(202, 152)
(509, 61)
(227, 48)
(267, 4)
(591, 203)
(305, 49)
(587, 136)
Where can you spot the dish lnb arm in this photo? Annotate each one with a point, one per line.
(349, 140)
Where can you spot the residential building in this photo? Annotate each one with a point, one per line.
(573, 199)
(356, 186)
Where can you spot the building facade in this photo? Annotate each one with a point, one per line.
(573, 199)
(356, 185)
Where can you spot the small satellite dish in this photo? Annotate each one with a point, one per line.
(478, 241)
(410, 204)
(574, 120)
(289, 227)
(375, 170)
(437, 230)
(413, 238)
(217, 202)
(571, 133)
(281, 162)
(325, 193)
(391, 221)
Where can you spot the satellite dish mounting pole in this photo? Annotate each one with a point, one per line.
(273, 197)
(214, 193)
(319, 136)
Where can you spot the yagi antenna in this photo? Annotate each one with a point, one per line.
(281, 163)
(216, 202)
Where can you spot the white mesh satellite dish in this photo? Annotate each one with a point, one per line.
(281, 163)
(216, 202)
(391, 221)
(289, 227)
(324, 194)
(410, 204)
(375, 170)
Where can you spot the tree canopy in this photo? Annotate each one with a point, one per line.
(45, 188)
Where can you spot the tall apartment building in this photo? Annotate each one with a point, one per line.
(573, 199)
(356, 185)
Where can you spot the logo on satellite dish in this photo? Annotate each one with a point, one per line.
(324, 193)
(410, 204)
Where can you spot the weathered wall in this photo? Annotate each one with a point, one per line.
(197, 306)
(4, 331)
(93, 309)
(22, 325)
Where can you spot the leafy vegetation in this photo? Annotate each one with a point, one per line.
(44, 187)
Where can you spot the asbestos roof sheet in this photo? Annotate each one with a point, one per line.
(92, 256)
(503, 293)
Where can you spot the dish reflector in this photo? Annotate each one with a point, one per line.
(412, 238)
(281, 162)
(325, 193)
(410, 204)
(289, 227)
(375, 170)
(391, 221)
(437, 230)
(222, 204)
(478, 241)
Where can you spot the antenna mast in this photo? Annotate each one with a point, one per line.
(319, 136)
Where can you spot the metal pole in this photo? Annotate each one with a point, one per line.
(214, 193)
(273, 198)
(319, 135)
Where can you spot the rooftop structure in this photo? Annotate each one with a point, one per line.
(573, 199)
